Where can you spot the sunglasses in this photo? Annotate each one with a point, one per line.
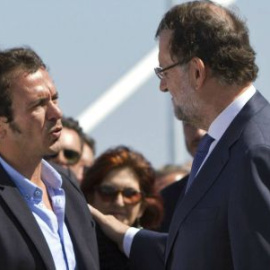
(109, 194)
(71, 156)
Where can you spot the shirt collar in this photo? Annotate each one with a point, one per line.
(224, 119)
(50, 176)
(29, 190)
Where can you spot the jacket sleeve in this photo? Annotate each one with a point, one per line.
(147, 250)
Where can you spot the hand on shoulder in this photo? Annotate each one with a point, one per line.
(111, 226)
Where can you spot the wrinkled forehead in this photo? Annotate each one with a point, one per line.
(21, 76)
(164, 45)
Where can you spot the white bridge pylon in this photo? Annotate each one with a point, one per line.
(119, 92)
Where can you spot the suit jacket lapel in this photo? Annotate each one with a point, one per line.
(205, 178)
(20, 210)
(79, 233)
(212, 167)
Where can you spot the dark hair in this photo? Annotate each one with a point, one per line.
(172, 168)
(90, 142)
(124, 157)
(215, 35)
(13, 61)
(71, 123)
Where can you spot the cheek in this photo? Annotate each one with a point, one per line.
(175, 91)
(134, 213)
(77, 168)
(102, 206)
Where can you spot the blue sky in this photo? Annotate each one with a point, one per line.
(89, 45)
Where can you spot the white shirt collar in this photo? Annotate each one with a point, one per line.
(224, 119)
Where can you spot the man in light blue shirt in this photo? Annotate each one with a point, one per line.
(45, 222)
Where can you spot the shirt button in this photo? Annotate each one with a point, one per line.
(37, 193)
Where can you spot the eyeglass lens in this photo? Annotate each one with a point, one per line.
(71, 156)
(160, 71)
(109, 193)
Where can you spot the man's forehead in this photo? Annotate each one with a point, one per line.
(164, 45)
(39, 81)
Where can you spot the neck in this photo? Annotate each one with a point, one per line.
(216, 100)
(28, 167)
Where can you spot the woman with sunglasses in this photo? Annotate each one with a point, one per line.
(121, 183)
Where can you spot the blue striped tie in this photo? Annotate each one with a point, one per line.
(200, 155)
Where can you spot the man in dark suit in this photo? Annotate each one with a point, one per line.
(222, 222)
(44, 219)
(172, 192)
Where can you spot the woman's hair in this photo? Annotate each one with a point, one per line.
(123, 157)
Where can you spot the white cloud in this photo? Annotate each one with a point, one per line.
(224, 2)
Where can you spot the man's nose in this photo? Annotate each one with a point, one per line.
(163, 85)
(54, 112)
(119, 200)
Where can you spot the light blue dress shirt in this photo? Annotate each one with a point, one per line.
(51, 223)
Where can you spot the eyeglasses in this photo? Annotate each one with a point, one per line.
(160, 71)
(109, 193)
(71, 156)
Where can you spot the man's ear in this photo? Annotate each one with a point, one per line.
(3, 127)
(197, 71)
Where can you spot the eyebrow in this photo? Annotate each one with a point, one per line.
(55, 96)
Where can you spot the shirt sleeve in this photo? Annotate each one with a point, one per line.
(128, 239)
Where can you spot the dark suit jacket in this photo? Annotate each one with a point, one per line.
(223, 222)
(110, 257)
(170, 195)
(22, 244)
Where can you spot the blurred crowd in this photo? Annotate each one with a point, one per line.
(141, 217)
(123, 183)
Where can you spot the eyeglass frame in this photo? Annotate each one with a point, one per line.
(159, 70)
(69, 162)
(112, 196)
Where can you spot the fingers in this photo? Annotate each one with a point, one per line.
(111, 226)
(98, 216)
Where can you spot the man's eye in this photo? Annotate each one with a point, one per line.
(55, 100)
(42, 102)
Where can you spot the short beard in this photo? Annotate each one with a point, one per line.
(189, 114)
(180, 115)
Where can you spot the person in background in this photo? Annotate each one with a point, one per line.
(87, 157)
(45, 223)
(222, 219)
(71, 145)
(121, 183)
(171, 193)
(169, 174)
(193, 136)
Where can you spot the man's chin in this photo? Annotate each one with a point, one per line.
(53, 150)
(179, 115)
